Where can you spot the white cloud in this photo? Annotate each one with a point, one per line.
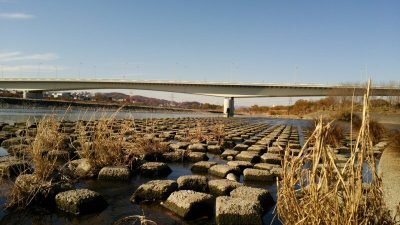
(19, 56)
(31, 68)
(16, 16)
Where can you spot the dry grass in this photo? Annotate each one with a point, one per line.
(395, 138)
(109, 142)
(377, 131)
(315, 191)
(150, 147)
(217, 133)
(101, 146)
(47, 138)
(348, 116)
(202, 133)
(134, 220)
(336, 133)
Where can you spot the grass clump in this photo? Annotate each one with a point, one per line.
(314, 190)
(110, 142)
(150, 147)
(103, 143)
(30, 187)
(217, 133)
(376, 129)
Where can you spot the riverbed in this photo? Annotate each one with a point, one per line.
(117, 194)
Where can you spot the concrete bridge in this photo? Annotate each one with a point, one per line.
(34, 88)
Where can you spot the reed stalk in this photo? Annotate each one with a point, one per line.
(314, 190)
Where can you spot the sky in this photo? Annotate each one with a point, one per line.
(317, 42)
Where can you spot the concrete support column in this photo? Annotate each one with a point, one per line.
(32, 94)
(229, 107)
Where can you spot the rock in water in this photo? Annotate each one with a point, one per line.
(259, 195)
(193, 182)
(202, 166)
(154, 190)
(197, 147)
(197, 156)
(11, 166)
(190, 204)
(81, 168)
(80, 201)
(114, 173)
(238, 211)
(232, 177)
(155, 169)
(223, 170)
(258, 175)
(222, 186)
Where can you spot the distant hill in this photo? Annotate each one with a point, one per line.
(115, 95)
(142, 100)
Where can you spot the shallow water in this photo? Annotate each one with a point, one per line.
(22, 115)
(3, 152)
(118, 194)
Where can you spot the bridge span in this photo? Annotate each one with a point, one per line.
(34, 88)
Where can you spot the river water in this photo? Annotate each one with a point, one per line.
(118, 194)
(23, 115)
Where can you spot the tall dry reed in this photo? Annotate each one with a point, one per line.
(314, 190)
(40, 182)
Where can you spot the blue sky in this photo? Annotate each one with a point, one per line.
(227, 40)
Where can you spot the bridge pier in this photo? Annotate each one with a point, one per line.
(229, 107)
(32, 94)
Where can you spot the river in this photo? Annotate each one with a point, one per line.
(117, 194)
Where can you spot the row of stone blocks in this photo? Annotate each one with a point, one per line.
(232, 202)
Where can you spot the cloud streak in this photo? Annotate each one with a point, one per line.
(19, 56)
(31, 68)
(16, 16)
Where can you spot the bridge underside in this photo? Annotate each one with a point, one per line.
(229, 91)
(209, 89)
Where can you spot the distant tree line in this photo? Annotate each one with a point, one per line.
(330, 103)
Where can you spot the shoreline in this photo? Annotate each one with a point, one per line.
(18, 103)
(384, 118)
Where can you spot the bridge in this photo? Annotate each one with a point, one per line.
(34, 88)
